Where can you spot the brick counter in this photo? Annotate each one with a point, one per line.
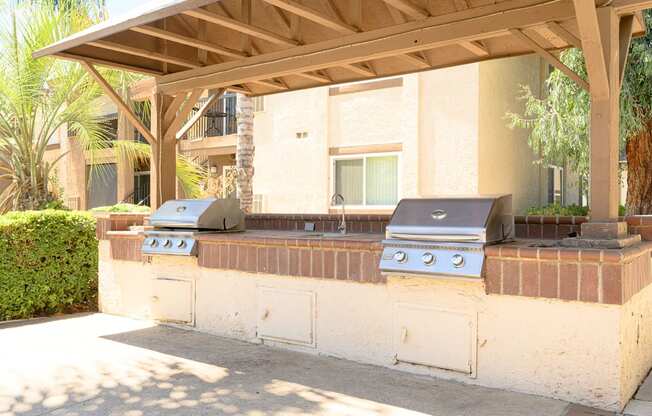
(586, 275)
(558, 227)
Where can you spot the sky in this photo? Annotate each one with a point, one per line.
(118, 7)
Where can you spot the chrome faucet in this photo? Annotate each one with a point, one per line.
(341, 228)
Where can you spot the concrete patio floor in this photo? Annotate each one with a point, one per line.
(105, 365)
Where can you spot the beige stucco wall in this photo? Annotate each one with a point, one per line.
(580, 352)
(506, 160)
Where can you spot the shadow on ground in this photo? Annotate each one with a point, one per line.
(157, 370)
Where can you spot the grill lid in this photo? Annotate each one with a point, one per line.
(209, 214)
(474, 218)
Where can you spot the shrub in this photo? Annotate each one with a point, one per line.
(122, 208)
(48, 263)
(566, 211)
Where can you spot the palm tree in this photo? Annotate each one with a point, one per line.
(38, 97)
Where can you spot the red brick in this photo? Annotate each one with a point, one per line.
(549, 219)
(509, 251)
(511, 277)
(549, 280)
(317, 264)
(293, 262)
(224, 256)
(589, 283)
(563, 230)
(492, 251)
(305, 258)
(568, 281)
(283, 261)
(329, 264)
(612, 284)
(233, 257)
(550, 231)
(591, 255)
(493, 276)
(341, 265)
(548, 253)
(528, 252)
(569, 254)
(564, 220)
(521, 231)
(612, 256)
(534, 231)
(369, 267)
(272, 260)
(251, 262)
(645, 232)
(530, 278)
(355, 266)
(261, 267)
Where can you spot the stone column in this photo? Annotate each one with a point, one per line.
(245, 151)
(163, 171)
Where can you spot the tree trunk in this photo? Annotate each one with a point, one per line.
(639, 172)
(244, 159)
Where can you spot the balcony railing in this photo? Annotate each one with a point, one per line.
(219, 120)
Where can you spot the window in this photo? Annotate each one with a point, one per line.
(556, 185)
(259, 103)
(367, 180)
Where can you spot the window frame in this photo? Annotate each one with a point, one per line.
(364, 157)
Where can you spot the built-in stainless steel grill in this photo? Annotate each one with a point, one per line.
(178, 222)
(445, 236)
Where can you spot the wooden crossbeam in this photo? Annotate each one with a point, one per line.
(415, 59)
(183, 113)
(563, 34)
(316, 16)
(199, 114)
(315, 77)
(625, 38)
(475, 47)
(130, 50)
(186, 40)
(271, 84)
(117, 100)
(109, 64)
(550, 58)
(359, 69)
(173, 108)
(238, 26)
(408, 8)
(596, 65)
(477, 23)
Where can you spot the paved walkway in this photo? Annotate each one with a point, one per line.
(104, 365)
(641, 404)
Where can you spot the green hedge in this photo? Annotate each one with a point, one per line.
(122, 208)
(48, 263)
(566, 210)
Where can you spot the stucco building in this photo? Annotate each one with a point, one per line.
(431, 133)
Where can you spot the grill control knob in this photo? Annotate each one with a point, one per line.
(458, 260)
(428, 259)
(167, 243)
(181, 244)
(400, 256)
(152, 242)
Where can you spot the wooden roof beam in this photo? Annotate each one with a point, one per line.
(316, 16)
(182, 114)
(417, 59)
(475, 47)
(238, 26)
(188, 41)
(408, 8)
(596, 64)
(550, 58)
(315, 76)
(565, 35)
(108, 64)
(117, 100)
(130, 50)
(271, 84)
(359, 69)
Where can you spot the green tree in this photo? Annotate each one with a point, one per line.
(39, 97)
(559, 122)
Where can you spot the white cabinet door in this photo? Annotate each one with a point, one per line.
(286, 315)
(172, 300)
(435, 338)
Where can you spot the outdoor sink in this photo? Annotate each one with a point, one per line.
(324, 235)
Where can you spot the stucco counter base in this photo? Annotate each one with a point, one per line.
(584, 352)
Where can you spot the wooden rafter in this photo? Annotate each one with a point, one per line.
(359, 69)
(417, 59)
(316, 16)
(241, 27)
(130, 50)
(550, 58)
(596, 65)
(199, 114)
(475, 47)
(315, 76)
(173, 108)
(117, 100)
(271, 84)
(477, 23)
(103, 62)
(189, 41)
(408, 8)
(564, 34)
(183, 113)
(625, 38)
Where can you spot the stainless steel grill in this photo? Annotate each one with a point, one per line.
(445, 236)
(178, 222)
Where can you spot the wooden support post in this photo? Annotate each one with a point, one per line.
(163, 172)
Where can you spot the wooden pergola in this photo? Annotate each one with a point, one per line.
(259, 47)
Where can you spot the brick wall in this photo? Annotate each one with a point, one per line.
(323, 222)
(558, 227)
(126, 247)
(116, 222)
(586, 275)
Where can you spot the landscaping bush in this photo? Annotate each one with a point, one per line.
(48, 263)
(122, 208)
(566, 211)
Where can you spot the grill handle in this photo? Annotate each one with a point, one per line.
(438, 237)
